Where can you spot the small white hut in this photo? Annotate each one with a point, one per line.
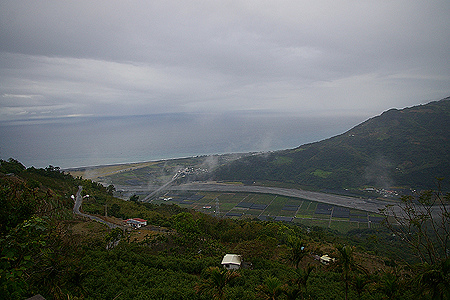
(232, 261)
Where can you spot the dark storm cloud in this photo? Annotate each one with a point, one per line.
(134, 57)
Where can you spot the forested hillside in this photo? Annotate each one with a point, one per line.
(401, 148)
(47, 250)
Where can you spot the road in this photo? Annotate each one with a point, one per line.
(166, 186)
(369, 205)
(76, 210)
(149, 197)
(344, 201)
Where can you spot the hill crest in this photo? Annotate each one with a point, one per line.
(401, 147)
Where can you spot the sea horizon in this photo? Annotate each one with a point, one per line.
(78, 142)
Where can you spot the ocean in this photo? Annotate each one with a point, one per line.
(90, 141)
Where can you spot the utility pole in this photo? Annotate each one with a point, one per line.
(217, 207)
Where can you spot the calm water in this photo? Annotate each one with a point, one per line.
(78, 142)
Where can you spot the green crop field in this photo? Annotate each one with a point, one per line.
(343, 226)
(251, 205)
(311, 222)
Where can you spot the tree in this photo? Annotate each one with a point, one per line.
(218, 279)
(346, 262)
(114, 210)
(422, 221)
(389, 285)
(271, 289)
(299, 284)
(17, 251)
(184, 223)
(434, 280)
(302, 278)
(297, 250)
(110, 189)
(17, 202)
(31, 256)
(359, 283)
(134, 198)
(292, 293)
(11, 166)
(113, 238)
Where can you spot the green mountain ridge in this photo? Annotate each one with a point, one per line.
(407, 148)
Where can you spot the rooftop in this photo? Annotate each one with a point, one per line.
(232, 259)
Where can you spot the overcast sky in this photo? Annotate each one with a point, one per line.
(109, 58)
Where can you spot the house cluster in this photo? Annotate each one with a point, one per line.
(234, 261)
(189, 171)
(136, 222)
(383, 192)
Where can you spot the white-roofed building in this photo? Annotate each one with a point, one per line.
(231, 261)
(325, 259)
(136, 222)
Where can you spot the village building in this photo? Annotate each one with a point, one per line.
(325, 259)
(231, 261)
(136, 222)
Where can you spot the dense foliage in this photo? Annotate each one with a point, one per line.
(45, 249)
(407, 147)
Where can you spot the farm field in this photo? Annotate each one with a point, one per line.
(280, 208)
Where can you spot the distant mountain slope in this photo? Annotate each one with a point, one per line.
(408, 147)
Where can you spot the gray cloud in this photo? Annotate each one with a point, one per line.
(123, 58)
